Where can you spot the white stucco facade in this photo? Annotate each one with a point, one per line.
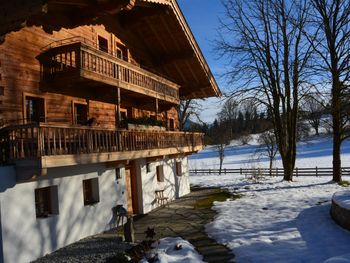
(174, 186)
(25, 237)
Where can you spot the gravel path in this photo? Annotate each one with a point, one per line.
(94, 249)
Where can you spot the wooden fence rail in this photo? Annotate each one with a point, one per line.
(315, 171)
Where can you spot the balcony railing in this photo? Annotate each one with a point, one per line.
(78, 56)
(38, 140)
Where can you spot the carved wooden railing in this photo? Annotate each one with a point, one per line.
(77, 54)
(37, 140)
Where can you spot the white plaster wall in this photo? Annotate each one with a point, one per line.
(174, 186)
(26, 237)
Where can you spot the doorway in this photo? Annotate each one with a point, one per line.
(131, 189)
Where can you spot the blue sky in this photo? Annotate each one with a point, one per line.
(203, 19)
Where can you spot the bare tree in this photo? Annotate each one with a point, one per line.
(268, 147)
(188, 109)
(270, 55)
(313, 108)
(332, 44)
(221, 138)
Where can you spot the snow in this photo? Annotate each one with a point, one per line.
(313, 152)
(275, 220)
(167, 253)
(342, 199)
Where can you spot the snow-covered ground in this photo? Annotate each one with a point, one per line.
(313, 152)
(274, 220)
(174, 249)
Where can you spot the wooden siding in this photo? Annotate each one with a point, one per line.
(20, 75)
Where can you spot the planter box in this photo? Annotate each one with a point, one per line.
(145, 127)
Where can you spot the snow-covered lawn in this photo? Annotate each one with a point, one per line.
(277, 221)
(313, 152)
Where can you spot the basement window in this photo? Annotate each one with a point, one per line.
(118, 174)
(160, 173)
(46, 201)
(179, 168)
(90, 191)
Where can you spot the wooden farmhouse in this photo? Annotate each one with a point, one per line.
(89, 91)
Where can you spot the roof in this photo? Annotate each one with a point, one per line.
(156, 25)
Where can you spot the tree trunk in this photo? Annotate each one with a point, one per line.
(221, 156)
(288, 167)
(271, 162)
(336, 117)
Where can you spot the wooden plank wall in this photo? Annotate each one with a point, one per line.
(20, 75)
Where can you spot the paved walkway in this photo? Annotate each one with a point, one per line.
(181, 218)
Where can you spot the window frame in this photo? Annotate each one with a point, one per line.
(91, 188)
(25, 96)
(48, 206)
(160, 173)
(178, 168)
(74, 114)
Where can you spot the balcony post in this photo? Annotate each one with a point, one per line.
(157, 109)
(118, 107)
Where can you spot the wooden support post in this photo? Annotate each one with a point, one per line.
(316, 171)
(296, 171)
(157, 108)
(118, 108)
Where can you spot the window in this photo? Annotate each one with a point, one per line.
(118, 174)
(179, 168)
(80, 113)
(102, 44)
(121, 52)
(34, 109)
(91, 191)
(160, 173)
(171, 125)
(148, 167)
(46, 201)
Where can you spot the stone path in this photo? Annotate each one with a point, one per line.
(182, 219)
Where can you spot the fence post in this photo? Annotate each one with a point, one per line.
(225, 171)
(240, 171)
(209, 171)
(276, 171)
(195, 170)
(296, 171)
(316, 171)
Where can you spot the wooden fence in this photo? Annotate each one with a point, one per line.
(316, 171)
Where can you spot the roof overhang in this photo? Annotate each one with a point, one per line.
(156, 25)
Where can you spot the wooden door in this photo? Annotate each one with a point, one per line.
(131, 188)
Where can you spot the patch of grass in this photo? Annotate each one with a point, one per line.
(219, 196)
(344, 183)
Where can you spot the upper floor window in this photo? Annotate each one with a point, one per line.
(121, 52)
(46, 201)
(80, 113)
(171, 124)
(34, 109)
(102, 44)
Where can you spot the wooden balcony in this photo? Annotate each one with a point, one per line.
(77, 61)
(36, 147)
